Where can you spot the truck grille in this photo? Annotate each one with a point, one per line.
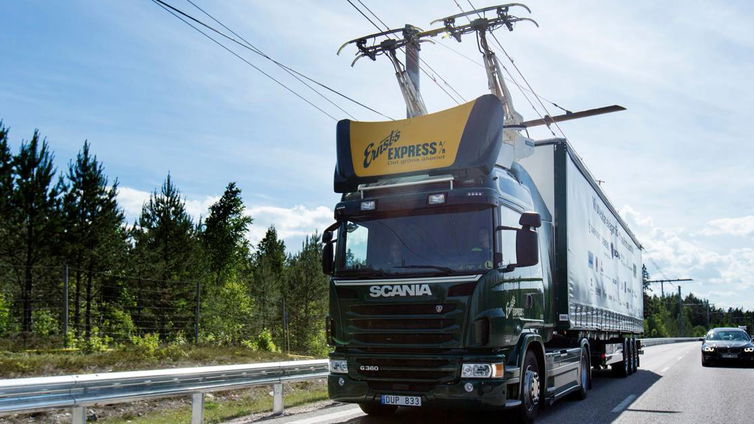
(405, 325)
(407, 371)
(400, 324)
(412, 309)
(404, 338)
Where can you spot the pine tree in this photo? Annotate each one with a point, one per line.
(93, 223)
(34, 217)
(306, 295)
(166, 247)
(6, 174)
(224, 235)
(267, 284)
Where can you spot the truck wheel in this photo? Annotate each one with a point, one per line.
(585, 375)
(531, 389)
(635, 354)
(377, 410)
(622, 368)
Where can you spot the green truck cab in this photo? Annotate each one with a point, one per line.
(451, 285)
(472, 267)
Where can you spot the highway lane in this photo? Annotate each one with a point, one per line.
(671, 386)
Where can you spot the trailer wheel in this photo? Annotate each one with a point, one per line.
(531, 389)
(623, 368)
(585, 375)
(377, 410)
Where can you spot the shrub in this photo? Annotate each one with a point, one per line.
(263, 342)
(146, 345)
(4, 316)
(118, 324)
(44, 323)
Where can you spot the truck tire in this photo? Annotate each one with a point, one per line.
(531, 389)
(377, 410)
(585, 374)
(622, 368)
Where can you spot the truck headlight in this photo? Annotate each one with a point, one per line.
(749, 349)
(482, 370)
(708, 349)
(338, 366)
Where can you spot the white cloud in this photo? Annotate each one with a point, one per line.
(720, 272)
(742, 226)
(292, 224)
(132, 200)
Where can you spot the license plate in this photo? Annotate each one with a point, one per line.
(401, 400)
(729, 356)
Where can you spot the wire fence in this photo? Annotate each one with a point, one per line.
(58, 304)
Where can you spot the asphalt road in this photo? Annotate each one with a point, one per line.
(670, 387)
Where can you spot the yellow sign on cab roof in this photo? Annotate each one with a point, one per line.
(395, 147)
(466, 137)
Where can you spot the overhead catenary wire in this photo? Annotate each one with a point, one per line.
(170, 10)
(283, 66)
(512, 79)
(509, 79)
(422, 61)
(505, 52)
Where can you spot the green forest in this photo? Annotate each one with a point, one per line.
(164, 278)
(75, 274)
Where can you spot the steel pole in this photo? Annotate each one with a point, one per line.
(412, 66)
(197, 408)
(680, 312)
(65, 307)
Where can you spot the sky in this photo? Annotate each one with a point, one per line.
(153, 97)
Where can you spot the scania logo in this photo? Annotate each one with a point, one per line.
(369, 368)
(400, 290)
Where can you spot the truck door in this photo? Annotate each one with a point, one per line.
(528, 289)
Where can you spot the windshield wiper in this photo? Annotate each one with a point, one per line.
(441, 268)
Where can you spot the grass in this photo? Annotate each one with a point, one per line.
(220, 410)
(61, 362)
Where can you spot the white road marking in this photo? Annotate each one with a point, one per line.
(623, 405)
(664, 369)
(328, 418)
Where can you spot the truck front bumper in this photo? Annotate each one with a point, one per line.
(485, 393)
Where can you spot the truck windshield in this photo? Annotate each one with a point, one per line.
(439, 243)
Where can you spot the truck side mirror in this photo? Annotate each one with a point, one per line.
(328, 261)
(527, 241)
(527, 247)
(530, 219)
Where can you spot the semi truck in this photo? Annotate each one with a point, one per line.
(471, 266)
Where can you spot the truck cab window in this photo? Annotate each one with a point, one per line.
(509, 218)
(444, 242)
(356, 245)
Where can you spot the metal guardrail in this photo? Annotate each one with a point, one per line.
(80, 391)
(667, 340)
